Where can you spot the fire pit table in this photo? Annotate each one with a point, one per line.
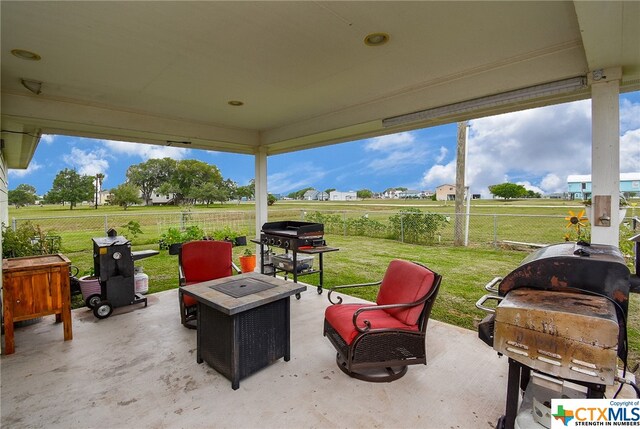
(243, 323)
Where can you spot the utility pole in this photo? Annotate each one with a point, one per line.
(461, 155)
(98, 183)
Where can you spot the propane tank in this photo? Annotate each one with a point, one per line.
(141, 280)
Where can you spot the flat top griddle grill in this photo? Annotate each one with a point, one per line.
(292, 228)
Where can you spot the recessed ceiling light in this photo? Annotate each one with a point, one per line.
(376, 39)
(25, 55)
(235, 103)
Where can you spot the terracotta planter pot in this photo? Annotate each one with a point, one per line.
(247, 263)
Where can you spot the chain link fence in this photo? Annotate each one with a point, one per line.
(483, 229)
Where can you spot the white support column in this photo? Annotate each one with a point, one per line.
(260, 195)
(605, 156)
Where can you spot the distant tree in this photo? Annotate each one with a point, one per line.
(125, 195)
(50, 197)
(364, 193)
(271, 199)
(150, 175)
(508, 190)
(210, 192)
(189, 175)
(328, 191)
(23, 195)
(69, 186)
(230, 189)
(533, 194)
(244, 192)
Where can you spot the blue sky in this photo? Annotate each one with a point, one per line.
(537, 148)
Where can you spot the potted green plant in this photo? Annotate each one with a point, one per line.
(247, 261)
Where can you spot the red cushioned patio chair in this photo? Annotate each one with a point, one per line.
(376, 342)
(199, 261)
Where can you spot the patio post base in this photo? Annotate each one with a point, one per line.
(375, 375)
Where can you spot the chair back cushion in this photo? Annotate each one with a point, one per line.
(405, 282)
(206, 260)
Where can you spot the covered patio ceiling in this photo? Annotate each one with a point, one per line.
(164, 72)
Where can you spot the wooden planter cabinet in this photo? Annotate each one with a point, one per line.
(35, 286)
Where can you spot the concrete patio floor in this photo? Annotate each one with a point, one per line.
(137, 369)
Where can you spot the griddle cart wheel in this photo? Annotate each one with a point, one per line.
(102, 310)
(92, 300)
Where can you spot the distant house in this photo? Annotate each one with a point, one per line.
(392, 193)
(313, 195)
(343, 196)
(103, 196)
(161, 199)
(580, 185)
(411, 193)
(446, 192)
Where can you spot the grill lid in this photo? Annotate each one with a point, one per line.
(596, 268)
(294, 229)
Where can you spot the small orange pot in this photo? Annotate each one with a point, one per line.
(248, 263)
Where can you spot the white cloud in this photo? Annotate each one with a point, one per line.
(292, 180)
(33, 167)
(396, 151)
(630, 151)
(548, 142)
(552, 183)
(146, 151)
(629, 115)
(390, 142)
(47, 138)
(395, 160)
(439, 174)
(88, 162)
(443, 154)
(529, 187)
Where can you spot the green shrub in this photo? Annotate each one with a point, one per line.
(225, 233)
(363, 226)
(175, 236)
(333, 223)
(133, 228)
(413, 226)
(28, 240)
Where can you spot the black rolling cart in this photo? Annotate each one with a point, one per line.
(113, 264)
(298, 239)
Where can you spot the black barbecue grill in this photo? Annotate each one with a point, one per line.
(295, 237)
(561, 313)
(292, 234)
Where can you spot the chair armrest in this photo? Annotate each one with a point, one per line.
(181, 280)
(349, 286)
(235, 267)
(367, 324)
